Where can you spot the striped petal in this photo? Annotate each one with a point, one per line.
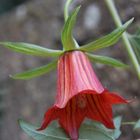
(70, 118)
(113, 98)
(93, 106)
(79, 95)
(75, 74)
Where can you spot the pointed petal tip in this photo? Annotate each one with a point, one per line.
(114, 98)
(110, 126)
(48, 117)
(73, 134)
(131, 100)
(40, 129)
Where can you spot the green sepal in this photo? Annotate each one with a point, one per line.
(106, 60)
(106, 41)
(35, 72)
(66, 36)
(31, 49)
(55, 132)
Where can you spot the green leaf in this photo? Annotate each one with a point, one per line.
(35, 72)
(115, 133)
(107, 40)
(31, 49)
(66, 37)
(106, 60)
(86, 132)
(48, 134)
(137, 125)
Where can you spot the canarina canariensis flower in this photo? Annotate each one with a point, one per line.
(80, 95)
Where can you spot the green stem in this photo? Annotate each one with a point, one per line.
(66, 9)
(128, 123)
(117, 20)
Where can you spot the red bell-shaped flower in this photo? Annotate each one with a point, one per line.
(80, 94)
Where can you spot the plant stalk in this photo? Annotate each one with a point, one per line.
(66, 9)
(128, 123)
(117, 20)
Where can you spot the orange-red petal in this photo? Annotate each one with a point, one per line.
(79, 95)
(93, 106)
(75, 74)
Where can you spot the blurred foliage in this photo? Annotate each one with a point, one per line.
(1, 105)
(6, 5)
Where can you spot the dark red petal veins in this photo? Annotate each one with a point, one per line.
(90, 74)
(92, 111)
(75, 74)
(100, 111)
(71, 118)
(106, 111)
(80, 94)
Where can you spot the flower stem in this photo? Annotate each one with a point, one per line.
(117, 20)
(128, 123)
(66, 9)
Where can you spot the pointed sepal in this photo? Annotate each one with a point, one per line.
(108, 40)
(31, 49)
(67, 37)
(106, 60)
(35, 72)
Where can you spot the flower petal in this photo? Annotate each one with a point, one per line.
(49, 116)
(113, 98)
(100, 110)
(80, 94)
(91, 105)
(71, 119)
(75, 74)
